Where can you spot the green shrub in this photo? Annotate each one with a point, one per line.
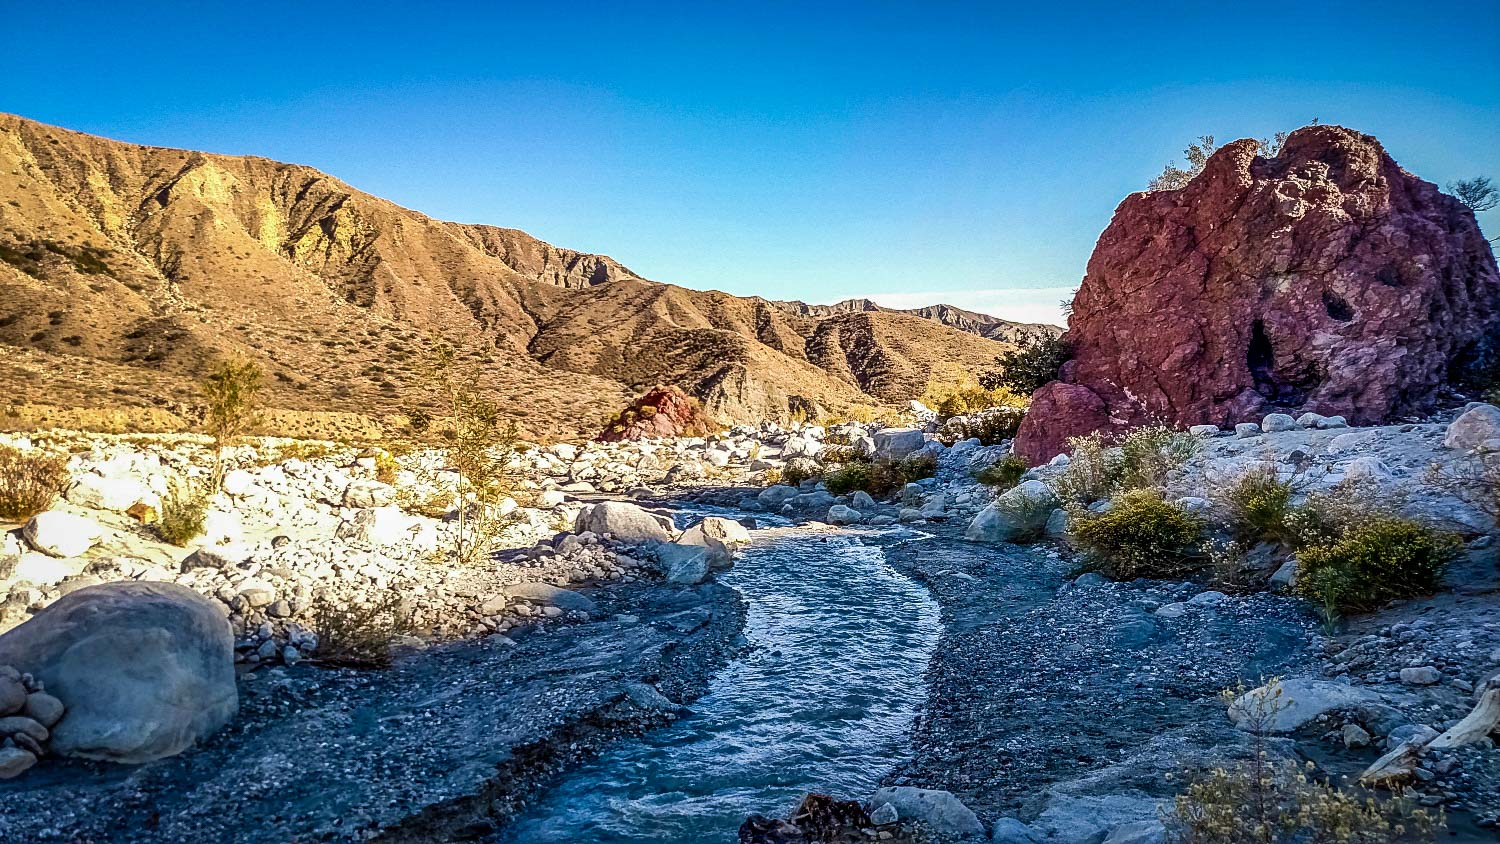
(29, 481)
(1034, 362)
(1092, 473)
(1003, 473)
(1256, 505)
(1140, 535)
(879, 478)
(1261, 800)
(798, 470)
(1375, 562)
(183, 510)
(990, 427)
(1148, 453)
(845, 478)
(359, 635)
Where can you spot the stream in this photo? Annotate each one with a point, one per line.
(823, 701)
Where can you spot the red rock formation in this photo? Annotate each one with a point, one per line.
(661, 412)
(1324, 279)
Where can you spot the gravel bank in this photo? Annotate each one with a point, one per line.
(444, 746)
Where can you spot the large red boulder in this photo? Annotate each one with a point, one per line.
(1325, 279)
(661, 412)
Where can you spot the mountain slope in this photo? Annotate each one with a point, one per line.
(125, 269)
(973, 322)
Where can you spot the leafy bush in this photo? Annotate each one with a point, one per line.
(1148, 453)
(1034, 363)
(1375, 562)
(879, 478)
(1140, 535)
(1259, 800)
(1256, 504)
(359, 635)
(990, 427)
(29, 481)
(231, 395)
(1003, 473)
(183, 511)
(386, 467)
(798, 470)
(1092, 473)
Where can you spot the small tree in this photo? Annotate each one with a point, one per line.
(231, 394)
(1035, 362)
(1478, 193)
(1173, 177)
(479, 443)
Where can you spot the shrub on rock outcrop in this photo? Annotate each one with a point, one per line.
(29, 481)
(1375, 562)
(1324, 279)
(1140, 535)
(1033, 364)
(664, 411)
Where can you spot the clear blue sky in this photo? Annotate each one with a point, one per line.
(913, 151)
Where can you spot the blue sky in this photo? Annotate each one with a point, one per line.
(908, 152)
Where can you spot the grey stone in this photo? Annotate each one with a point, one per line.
(59, 534)
(14, 762)
(1300, 702)
(12, 695)
(1424, 675)
(1021, 513)
(1355, 736)
(1090, 818)
(682, 565)
(885, 815)
(896, 443)
(939, 811)
(1276, 422)
(1246, 430)
(1285, 578)
(1204, 430)
(144, 669)
(861, 500)
(1474, 426)
(553, 596)
(1012, 831)
(624, 521)
(838, 514)
(1149, 831)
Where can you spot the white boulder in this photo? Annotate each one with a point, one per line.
(60, 534)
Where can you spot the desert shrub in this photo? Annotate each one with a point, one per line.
(359, 635)
(1375, 562)
(1003, 473)
(386, 467)
(1256, 504)
(1034, 363)
(1328, 515)
(1140, 535)
(29, 481)
(798, 470)
(1260, 800)
(183, 511)
(839, 454)
(915, 467)
(845, 478)
(990, 427)
(1092, 473)
(1148, 453)
(772, 476)
(881, 477)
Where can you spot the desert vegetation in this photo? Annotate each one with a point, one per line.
(30, 481)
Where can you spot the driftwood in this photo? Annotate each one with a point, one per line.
(1476, 725)
(1399, 764)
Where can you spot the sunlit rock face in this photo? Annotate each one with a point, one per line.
(1325, 279)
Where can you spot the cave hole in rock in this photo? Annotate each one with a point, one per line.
(1337, 307)
(1278, 388)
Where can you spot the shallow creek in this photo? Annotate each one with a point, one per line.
(823, 701)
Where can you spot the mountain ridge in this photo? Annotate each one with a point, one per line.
(147, 262)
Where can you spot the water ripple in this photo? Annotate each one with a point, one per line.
(823, 702)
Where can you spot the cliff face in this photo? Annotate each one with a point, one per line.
(125, 269)
(1325, 279)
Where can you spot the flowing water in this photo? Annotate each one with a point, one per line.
(823, 702)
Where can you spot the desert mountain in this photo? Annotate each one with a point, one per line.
(971, 321)
(126, 269)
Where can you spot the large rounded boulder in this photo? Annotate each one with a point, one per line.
(144, 669)
(1324, 279)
